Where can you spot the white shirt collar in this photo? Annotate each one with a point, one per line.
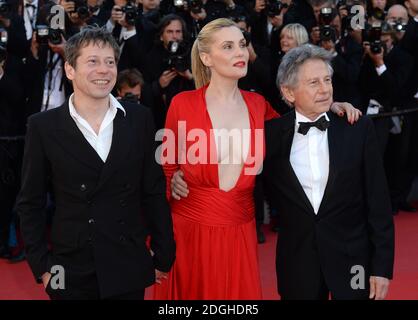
(301, 118)
(113, 105)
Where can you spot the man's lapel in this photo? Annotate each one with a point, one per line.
(336, 141)
(287, 139)
(72, 140)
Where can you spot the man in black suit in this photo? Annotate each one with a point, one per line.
(326, 178)
(99, 159)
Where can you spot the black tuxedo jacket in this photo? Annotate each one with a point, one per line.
(108, 207)
(354, 223)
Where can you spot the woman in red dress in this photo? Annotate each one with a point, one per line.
(214, 226)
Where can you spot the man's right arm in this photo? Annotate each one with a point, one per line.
(31, 201)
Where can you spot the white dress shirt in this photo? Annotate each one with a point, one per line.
(309, 157)
(125, 34)
(29, 17)
(101, 142)
(54, 91)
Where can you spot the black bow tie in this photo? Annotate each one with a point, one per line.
(322, 124)
(28, 5)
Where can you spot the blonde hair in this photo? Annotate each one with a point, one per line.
(298, 32)
(201, 73)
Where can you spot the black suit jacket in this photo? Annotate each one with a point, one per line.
(354, 223)
(108, 207)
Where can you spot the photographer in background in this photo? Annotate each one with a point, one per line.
(347, 56)
(300, 11)
(376, 10)
(46, 83)
(317, 6)
(13, 30)
(197, 13)
(77, 15)
(258, 75)
(385, 71)
(131, 87)
(266, 21)
(133, 33)
(401, 151)
(168, 66)
(99, 14)
(150, 10)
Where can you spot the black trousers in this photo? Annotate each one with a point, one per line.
(81, 282)
(317, 289)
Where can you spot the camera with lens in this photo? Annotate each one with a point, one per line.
(326, 31)
(399, 26)
(274, 7)
(194, 6)
(82, 9)
(179, 54)
(131, 13)
(4, 9)
(373, 35)
(130, 97)
(45, 34)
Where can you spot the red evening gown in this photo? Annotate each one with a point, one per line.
(215, 233)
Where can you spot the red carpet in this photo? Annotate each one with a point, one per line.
(16, 281)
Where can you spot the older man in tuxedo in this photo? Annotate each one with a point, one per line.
(327, 180)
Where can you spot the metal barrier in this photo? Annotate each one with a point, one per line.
(393, 113)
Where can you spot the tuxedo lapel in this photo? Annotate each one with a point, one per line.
(336, 139)
(287, 140)
(119, 149)
(72, 140)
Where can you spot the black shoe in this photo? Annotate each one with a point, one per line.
(260, 236)
(4, 253)
(407, 207)
(18, 257)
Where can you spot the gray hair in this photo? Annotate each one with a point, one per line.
(287, 75)
(90, 34)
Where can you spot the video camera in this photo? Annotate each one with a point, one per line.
(274, 7)
(45, 34)
(326, 31)
(194, 6)
(179, 54)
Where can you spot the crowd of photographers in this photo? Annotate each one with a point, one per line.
(374, 43)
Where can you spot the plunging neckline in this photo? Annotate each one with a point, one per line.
(212, 138)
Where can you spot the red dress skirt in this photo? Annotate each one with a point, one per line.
(215, 233)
